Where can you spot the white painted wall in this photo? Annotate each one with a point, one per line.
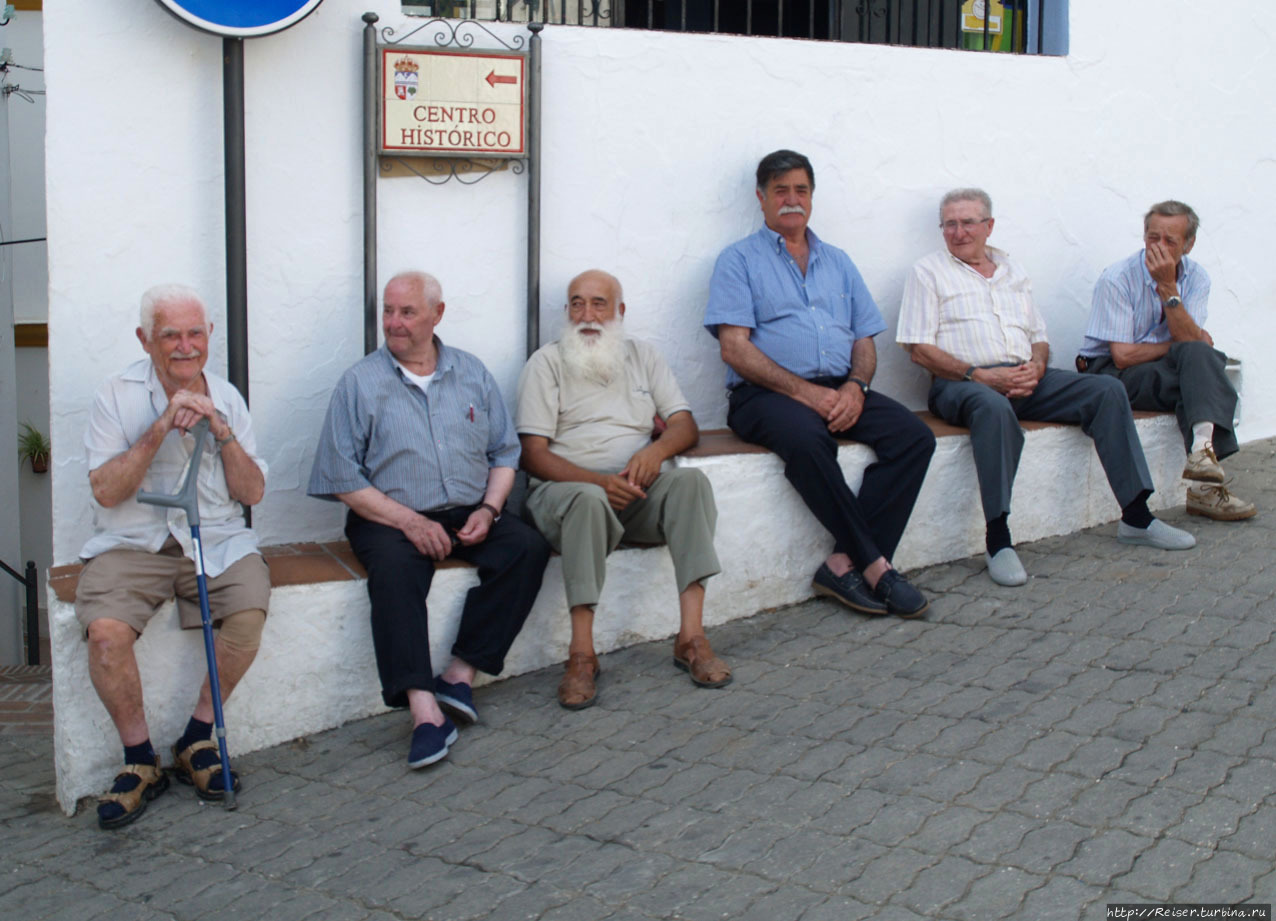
(650, 145)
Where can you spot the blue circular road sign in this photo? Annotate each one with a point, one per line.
(240, 18)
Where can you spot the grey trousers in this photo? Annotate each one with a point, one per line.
(580, 524)
(1190, 381)
(1098, 404)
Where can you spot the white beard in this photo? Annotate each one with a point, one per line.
(598, 358)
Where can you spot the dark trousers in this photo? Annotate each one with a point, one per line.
(511, 562)
(1190, 381)
(866, 526)
(1097, 404)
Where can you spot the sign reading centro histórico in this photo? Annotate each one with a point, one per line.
(443, 103)
(240, 18)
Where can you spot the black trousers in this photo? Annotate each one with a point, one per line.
(866, 526)
(511, 562)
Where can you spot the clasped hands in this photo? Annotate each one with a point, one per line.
(840, 408)
(185, 409)
(632, 482)
(433, 540)
(1013, 382)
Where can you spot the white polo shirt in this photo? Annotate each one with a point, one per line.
(125, 407)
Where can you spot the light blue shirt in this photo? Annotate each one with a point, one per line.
(1126, 307)
(428, 451)
(805, 324)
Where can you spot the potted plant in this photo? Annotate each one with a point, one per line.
(34, 446)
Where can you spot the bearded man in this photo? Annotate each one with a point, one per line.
(586, 405)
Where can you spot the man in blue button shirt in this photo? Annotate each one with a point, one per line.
(795, 323)
(1147, 328)
(418, 444)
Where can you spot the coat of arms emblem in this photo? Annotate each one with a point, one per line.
(405, 77)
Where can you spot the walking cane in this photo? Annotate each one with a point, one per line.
(187, 499)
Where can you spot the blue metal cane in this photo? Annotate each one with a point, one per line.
(187, 499)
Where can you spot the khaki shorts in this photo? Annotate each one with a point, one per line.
(131, 585)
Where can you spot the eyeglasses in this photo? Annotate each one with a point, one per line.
(968, 224)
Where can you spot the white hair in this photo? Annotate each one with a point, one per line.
(424, 282)
(975, 195)
(160, 295)
(598, 358)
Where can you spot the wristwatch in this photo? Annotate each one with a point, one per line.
(496, 516)
(1174, 301)
(863, 385)
(970, 373)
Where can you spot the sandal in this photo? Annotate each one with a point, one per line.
(577, 689)
(200, 765)
(696, 657)
(150, 782)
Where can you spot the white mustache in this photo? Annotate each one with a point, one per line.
(793, 209)
(195, 354)
(596, 327)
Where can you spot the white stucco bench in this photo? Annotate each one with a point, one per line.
(315, 670)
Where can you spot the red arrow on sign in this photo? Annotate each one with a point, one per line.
(494, 78)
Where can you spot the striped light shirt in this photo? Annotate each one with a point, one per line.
(427, 450)
(1127, 308)
(981, 321)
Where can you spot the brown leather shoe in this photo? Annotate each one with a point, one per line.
(695, 657)
(577, 690)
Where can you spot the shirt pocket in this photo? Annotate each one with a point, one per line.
(476, 430)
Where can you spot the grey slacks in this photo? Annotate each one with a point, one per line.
(1098, 404)
(1190, 381)
(580, 524)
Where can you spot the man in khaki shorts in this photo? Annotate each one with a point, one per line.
(586, 406)
(141, 555)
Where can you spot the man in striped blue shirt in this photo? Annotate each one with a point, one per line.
(418, 444)
(1147, 328)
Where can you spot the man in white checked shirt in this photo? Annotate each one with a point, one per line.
(1147, 329)
(969, 319)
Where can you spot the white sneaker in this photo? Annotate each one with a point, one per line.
(1158, 534)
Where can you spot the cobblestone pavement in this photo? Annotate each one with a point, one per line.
(1105, 734)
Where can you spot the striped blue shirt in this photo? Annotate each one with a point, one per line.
(428, 451)
(805, 324)
(1126, 307)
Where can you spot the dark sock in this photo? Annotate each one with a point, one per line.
(1136, 514)
(997, 537)
(196, 731)
(142, 753)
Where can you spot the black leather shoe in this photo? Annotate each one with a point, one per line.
(901, 598)
(849, 589)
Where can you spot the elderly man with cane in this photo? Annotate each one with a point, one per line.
(139, 439)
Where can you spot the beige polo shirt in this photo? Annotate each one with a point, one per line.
(595, 426)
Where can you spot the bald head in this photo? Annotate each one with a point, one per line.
(598, 276)
(421, 284)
